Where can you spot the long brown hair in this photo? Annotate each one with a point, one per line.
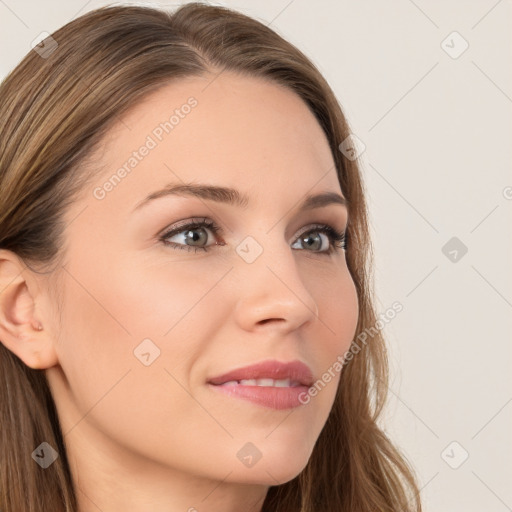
(55, 107)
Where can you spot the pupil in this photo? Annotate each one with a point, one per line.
(310, 240)
(191, 235)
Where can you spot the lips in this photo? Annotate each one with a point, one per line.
(288, 374)
(270, 384)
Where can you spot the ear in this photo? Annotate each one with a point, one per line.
(20, 323)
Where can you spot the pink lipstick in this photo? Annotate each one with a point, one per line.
(271, 383)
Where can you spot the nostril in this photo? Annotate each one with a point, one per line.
(263, 322)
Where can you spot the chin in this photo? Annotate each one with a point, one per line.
(276, 475)
(280, 462)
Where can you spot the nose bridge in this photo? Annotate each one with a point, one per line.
(270, 285)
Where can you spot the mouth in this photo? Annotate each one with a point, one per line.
(268, 373)
(271, 384)
(265, 382)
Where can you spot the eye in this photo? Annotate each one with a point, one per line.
(196, 233)
(336, 241)
(190, 230)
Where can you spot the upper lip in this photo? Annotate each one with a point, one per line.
(296, 371)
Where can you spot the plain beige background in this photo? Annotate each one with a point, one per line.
(434, 110)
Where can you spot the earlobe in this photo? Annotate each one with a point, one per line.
(20, 331)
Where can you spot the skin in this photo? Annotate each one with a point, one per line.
(156, 436)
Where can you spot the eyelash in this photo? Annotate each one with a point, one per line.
(337, 240)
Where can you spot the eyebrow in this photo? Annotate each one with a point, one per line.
(233, 197)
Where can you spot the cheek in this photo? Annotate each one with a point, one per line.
(155, 299)
(338, 311)
(105, 318)
(120, 316)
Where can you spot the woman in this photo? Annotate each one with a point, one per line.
(184, 266)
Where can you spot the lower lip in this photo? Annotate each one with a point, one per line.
(267, 396)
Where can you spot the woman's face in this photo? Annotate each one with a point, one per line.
(145, 326)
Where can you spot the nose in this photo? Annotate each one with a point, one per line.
(272, 293)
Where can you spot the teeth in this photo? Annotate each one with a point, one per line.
(231, 383)
(283, 383)
(248, 382)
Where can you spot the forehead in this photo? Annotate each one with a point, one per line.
(229, 130)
